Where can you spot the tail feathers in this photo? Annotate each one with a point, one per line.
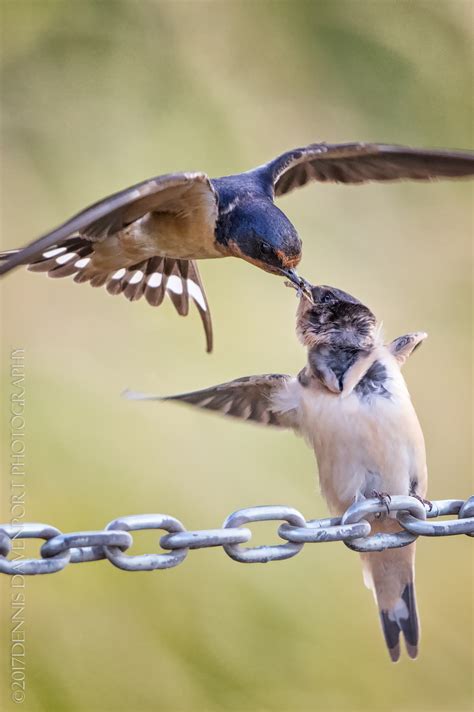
(401, 618)
(152, 278)
(390, 575)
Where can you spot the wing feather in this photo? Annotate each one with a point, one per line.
(168, 193)
(252, 398)
(403, 346)
(362, 162)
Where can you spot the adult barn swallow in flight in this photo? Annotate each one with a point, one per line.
(145, 240)
(352, 405)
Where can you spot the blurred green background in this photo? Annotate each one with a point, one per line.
(99, 95)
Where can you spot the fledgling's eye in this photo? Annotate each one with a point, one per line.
(265, 249)
(327, 298)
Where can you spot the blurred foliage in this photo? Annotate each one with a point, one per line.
(98, 95)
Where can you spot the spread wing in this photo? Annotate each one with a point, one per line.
(362, 162)
(174, 193)
(403, 346)
(257, 398)
(80, 247)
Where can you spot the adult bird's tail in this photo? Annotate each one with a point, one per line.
(390, 575)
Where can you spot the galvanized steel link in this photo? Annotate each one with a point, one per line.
(86, 546)
(204, 538)
(378, 507)
(263, 554)
(145, 562)
(353, 528)
(322, 530)
(467, 512)
(450, 527)
(26, 567)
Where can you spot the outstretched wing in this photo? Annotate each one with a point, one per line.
(175, 194)
(130, 269)
(404, 346)
(257, 398)
(362, 162)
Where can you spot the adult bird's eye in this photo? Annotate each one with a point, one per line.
(265, 249)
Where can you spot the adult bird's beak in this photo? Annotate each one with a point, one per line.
(303, 288)
(292, 276)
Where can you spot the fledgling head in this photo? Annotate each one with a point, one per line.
(258, 232)
(335, 319)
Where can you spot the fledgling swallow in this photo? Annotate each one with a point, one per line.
(145, 240)
(352, 405)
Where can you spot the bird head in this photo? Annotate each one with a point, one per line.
(334, 318)
(258, 232)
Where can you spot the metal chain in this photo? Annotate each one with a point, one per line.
(353, 528)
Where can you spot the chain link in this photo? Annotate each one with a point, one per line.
(353, 528)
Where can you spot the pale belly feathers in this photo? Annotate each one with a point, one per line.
(363, 443)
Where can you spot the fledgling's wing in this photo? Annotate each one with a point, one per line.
(256, 398)
(362, 162)
(403, 346)
(174, 194)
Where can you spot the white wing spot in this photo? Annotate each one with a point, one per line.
(53, 253)
(119, 273)
(196, 293)
(136, 277)
(174, 284)
(65, 258)
(155, 279)
(82, 262)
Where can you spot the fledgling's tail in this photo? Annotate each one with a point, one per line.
(390, 575)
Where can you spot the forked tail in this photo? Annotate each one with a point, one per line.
(390, 575)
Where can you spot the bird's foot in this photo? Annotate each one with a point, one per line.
(384, 498)
(424, 502)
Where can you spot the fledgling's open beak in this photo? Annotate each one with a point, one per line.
(303, 288)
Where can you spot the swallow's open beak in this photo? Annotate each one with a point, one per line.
(303, 288)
